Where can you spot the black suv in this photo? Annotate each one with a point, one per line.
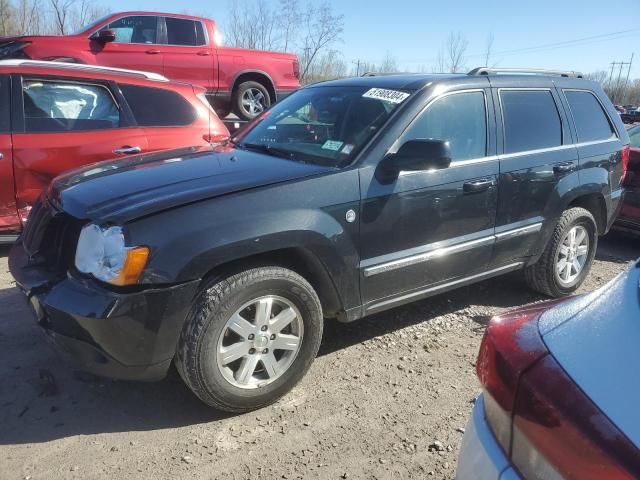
(348, 198)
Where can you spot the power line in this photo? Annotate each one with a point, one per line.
(549, 46)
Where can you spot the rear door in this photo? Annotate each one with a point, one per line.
(538, 161)
(136, 47)
(62, 124)
(8, 214)
(188, 55)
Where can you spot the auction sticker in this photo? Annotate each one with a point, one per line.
(332, 145)
(391, 96)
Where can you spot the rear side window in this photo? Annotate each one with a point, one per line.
(460, 119)
(531, 120)
(156, 107)
(185, 32)
(135, 29)
(5, 104)
(51, 106)
(591, 122)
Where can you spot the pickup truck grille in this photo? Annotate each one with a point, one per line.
(50, 237)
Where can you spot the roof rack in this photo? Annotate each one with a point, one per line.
(534, 71)
(80, 67)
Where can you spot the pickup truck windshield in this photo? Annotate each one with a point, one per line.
(324, 125)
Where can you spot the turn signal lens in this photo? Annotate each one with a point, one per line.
(133, 267)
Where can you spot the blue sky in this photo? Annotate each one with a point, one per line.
(414, 30)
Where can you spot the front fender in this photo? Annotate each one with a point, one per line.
(189, 242)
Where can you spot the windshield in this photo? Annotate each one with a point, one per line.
(326, 125)
(634, 136)
(91, 26)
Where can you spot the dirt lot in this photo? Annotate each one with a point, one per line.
(381, 391)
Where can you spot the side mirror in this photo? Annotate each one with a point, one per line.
(422, 154)
(105, 36)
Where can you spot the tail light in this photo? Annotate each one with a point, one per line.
(543, 421)
(626, 152)
(296, 69)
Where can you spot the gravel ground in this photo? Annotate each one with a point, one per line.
(381, 391)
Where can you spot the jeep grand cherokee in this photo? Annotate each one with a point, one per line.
(348, 198)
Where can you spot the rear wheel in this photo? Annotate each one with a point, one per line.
(250, 338)
(568, 257)
(250, 99)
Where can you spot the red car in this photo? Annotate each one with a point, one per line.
(181, 47)
(65, 115)
(629, 217)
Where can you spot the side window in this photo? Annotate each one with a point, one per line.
(135, 29)
(531, 120)
(5, 104)
(460, 119)
(591, 122)
(51, 106)
(185, 32)
(156, 107)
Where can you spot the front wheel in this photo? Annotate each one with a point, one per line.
(566, 261)
(250, 99)
(250, 338)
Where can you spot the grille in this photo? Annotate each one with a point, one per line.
(50, 237)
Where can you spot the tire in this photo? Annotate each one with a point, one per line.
(544, 275)
(244, 93)
(207, 331)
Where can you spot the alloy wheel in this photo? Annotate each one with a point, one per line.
(260, 342)
(572, 255)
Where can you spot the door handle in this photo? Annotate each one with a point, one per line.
(127, 150)
(152, 51)
(564, 167)
(204, 53)
(1, 156)
(477, 186)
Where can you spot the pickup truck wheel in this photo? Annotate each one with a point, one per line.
(250, 100)
(568, 257)
(250, 338)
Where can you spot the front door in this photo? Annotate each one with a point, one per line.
(8, 214)
(429, 227)
(62, 125)
(136, 47)
(187, 56)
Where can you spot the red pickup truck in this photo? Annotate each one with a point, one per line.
(180, 47)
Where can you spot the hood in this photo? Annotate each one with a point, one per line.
(122, 190)
(596, 340)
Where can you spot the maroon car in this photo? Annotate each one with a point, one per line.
(629, 217)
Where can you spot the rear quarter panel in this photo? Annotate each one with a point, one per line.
(595, 339)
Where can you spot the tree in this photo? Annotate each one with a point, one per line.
(389, 64)
(290, 20)
(455, 50)
(60, 10)
(488, 49)
(7, 18)
(322, 28)
(253, 25)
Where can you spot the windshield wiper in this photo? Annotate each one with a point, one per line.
(269, 150)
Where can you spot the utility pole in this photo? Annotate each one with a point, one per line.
(614, 89)
(626, 82)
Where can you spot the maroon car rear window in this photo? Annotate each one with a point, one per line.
(157, 107)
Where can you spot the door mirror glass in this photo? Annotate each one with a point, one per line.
(105, 36)
(422, 154)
